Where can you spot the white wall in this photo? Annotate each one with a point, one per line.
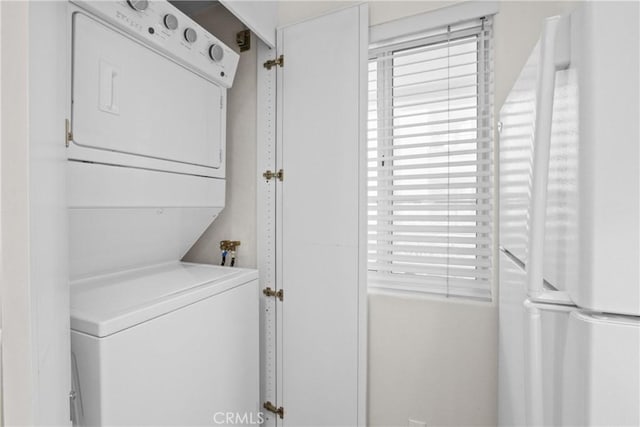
(238, 219)
(17, 337)
(431, 360)
(517, 28)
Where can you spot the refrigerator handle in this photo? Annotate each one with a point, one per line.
(554, 55)
(534, 394)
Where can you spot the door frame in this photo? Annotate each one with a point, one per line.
(35, 291)
(265, 225)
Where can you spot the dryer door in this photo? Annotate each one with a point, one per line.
(134, 106)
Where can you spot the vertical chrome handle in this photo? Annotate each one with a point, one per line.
(534, 393)
(554, 55)
(534, 352)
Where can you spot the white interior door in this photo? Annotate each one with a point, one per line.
(320, 218)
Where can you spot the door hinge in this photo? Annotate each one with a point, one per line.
(243, 39)
(273, 293)
(269, 175)
(272, 408)
(273, 62)
(68, 135)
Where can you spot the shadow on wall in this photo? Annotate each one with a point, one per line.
(237, 221)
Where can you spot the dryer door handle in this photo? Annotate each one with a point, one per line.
(108, 77)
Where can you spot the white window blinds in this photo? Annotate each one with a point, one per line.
(430, 162)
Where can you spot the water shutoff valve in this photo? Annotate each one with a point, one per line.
(229, 247)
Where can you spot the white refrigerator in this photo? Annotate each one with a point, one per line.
(569, 289)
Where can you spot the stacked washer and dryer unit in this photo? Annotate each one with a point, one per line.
(154, 341)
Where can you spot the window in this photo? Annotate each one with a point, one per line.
(430, 162)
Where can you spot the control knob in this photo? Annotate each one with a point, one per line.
(170, 21)
(138, 5)
(216, 53)
(190, 35)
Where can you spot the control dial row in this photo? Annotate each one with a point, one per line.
(216, 53)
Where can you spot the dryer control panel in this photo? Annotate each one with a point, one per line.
(162, 26)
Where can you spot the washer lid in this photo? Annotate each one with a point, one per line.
(104, 305)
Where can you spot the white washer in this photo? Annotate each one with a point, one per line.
(173, 344)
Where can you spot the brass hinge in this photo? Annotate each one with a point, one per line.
(243, 39)
(68, 135)
(273, 62)
(269, 175)
(273, 293)
(272, 408)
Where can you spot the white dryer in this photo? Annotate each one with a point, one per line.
(154, 341)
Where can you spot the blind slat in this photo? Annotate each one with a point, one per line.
(432, 197)
(452, 175)
(446, 260)
(423, 249)
(430, 238)
(430, 155)
(426, 82)
(373, 72)
(422, 113)
(448, 68)
(479, 141)
(473, 289)
(468, 229)
(434, 218)
(431, 123)
(383, 276)
(422, 166)
(439, 207)
(443, 132)
(436, 270)
(426, 103)
(444, 186)
(435, 91)
(380, 276)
